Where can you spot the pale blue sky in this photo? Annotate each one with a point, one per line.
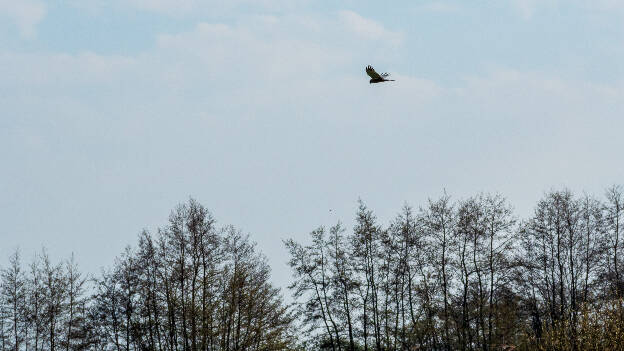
(112, 112)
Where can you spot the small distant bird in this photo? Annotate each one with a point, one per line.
(376, 77)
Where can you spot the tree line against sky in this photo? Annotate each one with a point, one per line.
(467, 275)
(452, 275)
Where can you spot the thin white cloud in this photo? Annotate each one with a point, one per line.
(26, 14)
(369, 29)
(166, 6)
(528, 8)
(541, 83)
(62, 72)
(537, 104)
(182, 8)
(258, 59)
(603, 5)
(525, 8)
(440, 6)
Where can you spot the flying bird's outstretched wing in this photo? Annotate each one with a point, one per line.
(371, 73)
(376, 77)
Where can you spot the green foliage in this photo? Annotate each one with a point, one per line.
(600, 326)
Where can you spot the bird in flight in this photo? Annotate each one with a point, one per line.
(376, 77)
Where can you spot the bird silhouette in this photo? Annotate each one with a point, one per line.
(376, 77)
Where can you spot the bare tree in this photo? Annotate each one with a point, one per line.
(12, 296)
(75, 305)
(614, 213)
(366, 248)
(439, 223)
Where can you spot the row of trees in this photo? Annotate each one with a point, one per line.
(190, 286)
(467, 275)
(42, 306)
(451, 275)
